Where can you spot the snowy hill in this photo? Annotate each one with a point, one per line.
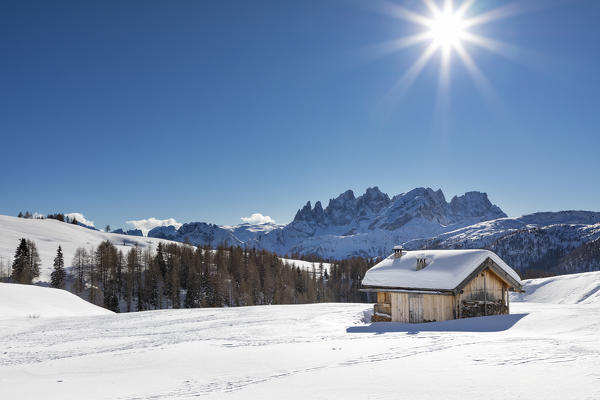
(563, 289)
(48, 234)
(19, 301)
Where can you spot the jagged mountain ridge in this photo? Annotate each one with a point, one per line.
(382, 212)
(369, 225)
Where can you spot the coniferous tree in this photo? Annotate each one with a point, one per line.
(130, 279)
(26, 264)
(19, 266)
(79, 266)
(33, 270)
(58, 275)
(160, 260)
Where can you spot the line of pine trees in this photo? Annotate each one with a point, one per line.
(178, 276)
(57, 216)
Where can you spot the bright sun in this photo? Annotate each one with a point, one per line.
(447, 31)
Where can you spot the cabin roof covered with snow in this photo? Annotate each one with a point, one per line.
(446, 270)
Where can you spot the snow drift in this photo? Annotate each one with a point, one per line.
(581, 288)
(17, 301)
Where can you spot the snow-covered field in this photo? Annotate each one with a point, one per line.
(320, 351)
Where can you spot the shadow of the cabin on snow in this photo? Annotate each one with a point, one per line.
(493, 323)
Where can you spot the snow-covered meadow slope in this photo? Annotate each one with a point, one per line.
(48, 234)
(30, 301)
(322, 351)
(581, 288)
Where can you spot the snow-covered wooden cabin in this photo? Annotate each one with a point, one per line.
(437, 285)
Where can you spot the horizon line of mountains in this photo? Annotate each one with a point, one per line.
(371, 224)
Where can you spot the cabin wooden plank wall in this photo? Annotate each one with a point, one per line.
(399, 307)
(486, 294)
(486, 284)
(438, 307)
(417, 307)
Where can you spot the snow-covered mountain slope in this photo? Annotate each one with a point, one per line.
(535, 241)
(246, 231)
(581, 288)
(48, 234)
(29, 301)
(585, 258)
(542, 248)
(299, 352)
(482, 234)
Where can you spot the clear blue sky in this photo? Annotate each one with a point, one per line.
(211, 111)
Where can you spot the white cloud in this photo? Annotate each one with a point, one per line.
(80, 218)
(145, 225)
(258, 218)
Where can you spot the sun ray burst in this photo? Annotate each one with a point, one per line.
(481, 82)
(447, 28)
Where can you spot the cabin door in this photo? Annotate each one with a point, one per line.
(415, 308)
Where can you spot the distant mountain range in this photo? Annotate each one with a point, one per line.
(371, 224)
(201, 233)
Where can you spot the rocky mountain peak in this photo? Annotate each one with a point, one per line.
(475, 204)
(305, 213)
(373, 200)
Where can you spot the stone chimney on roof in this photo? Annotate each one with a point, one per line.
(397, 251)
